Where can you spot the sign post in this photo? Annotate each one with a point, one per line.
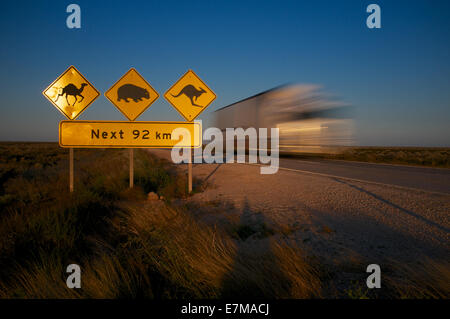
(71, 93)
(71, 169)
(131, 168)
(190, 174)
(132, 95)
(190, 96)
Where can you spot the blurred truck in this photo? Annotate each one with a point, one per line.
(308, 120)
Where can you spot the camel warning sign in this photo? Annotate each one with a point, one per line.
(71, 93)
(132, 95)
(190, 95)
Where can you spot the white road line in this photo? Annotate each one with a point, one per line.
(353, 179)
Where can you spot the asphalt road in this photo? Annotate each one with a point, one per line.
(416, 177)
(423, 178)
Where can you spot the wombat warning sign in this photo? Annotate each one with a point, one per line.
(132, 95)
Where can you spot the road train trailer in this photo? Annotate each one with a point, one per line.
(308, 120)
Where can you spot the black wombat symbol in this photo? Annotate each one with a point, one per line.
(71, 89)
(130, 91)
(192, 93)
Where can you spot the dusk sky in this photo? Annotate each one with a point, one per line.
(397, 78)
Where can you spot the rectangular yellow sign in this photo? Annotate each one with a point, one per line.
(115, 134)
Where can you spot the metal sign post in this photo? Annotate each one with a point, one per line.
(71, 170)
(190, 174)
(131, 168)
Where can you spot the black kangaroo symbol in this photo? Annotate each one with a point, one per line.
(192, 93)
(71, 89)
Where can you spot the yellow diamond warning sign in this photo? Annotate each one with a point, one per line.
(71, 93)
(190, 95)
(132, 95)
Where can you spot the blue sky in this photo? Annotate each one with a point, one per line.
(396, 77)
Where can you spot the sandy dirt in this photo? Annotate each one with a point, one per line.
(337, 220)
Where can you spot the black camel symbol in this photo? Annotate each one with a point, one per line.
(71, 89)
(192, 93)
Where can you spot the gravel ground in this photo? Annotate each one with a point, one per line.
(375, 221)
(342, 222)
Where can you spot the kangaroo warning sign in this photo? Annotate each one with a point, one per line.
(132, 95)
(190, 95)
(117, 134)
(71, 93)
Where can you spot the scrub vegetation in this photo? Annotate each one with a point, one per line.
(130, 247)
(418, 156)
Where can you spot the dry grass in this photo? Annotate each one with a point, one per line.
(429, 279)
(425, 279)
(128, 247)
(43, 227)
(207, 262)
